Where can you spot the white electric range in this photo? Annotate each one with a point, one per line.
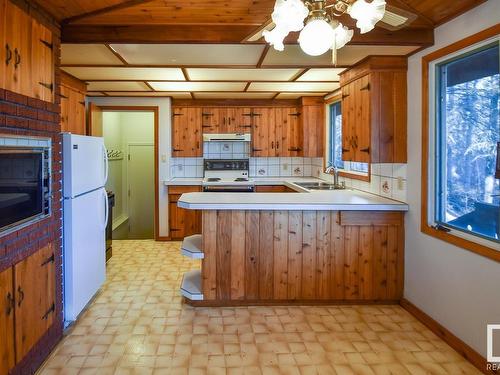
(227, 175)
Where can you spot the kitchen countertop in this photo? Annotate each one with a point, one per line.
(183, 181)
(338, 200)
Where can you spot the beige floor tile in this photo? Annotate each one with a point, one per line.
(138, 324)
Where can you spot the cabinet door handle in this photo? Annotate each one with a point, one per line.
(17, 57)
(277, 144)
(8, 54)
(177, 150)
(21, 296)
(11, 303)
(256, 149)
(50, 259)
(367, 150)
(345, 150)
(295, 149)
(206, 126)
(198, 144)
(224, 121)
(272, 144)
(49, 311)
(178, 114)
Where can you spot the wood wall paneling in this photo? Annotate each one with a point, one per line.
(301, 256)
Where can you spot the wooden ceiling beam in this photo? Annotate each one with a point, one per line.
(124, 5)
(222, 34)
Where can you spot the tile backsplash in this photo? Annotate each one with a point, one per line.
(387, 180)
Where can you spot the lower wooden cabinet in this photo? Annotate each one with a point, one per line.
(181, 222)
(27, 305)
(273, 189)
(7, 354)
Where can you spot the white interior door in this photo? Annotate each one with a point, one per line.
(141, 192)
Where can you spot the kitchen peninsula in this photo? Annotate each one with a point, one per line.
(302, 247)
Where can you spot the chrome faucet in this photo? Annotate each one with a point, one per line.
(335, 170)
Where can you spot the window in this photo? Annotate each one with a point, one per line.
(466, 99)
(334, 149)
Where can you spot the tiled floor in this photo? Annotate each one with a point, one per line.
(138, 325)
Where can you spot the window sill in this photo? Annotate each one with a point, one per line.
(486, 251)
(355, 176)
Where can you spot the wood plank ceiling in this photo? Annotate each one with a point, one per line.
(198, 48)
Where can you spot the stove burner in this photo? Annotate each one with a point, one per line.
(241, 179)
(213, 179)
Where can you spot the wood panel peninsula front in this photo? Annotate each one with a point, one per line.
(305, 248)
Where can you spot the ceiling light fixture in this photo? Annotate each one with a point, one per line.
(322, 31)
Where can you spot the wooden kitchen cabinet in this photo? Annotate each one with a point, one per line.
(7, 352)
(313, 120)
(374, 110)
(27, 305)
(34, 284)
(226, 120)
(290, 132)
(72, 105)
(27, 54)
(182, 223)
(187, 132)
(42, 62)
(263, 130)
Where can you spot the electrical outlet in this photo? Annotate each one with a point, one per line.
(163, 158)
(285, 167)
(401, 183)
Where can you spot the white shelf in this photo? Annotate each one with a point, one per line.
(191, 285)
(191, 247)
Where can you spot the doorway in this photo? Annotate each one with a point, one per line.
(130, 137)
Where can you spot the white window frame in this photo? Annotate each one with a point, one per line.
(432, 146)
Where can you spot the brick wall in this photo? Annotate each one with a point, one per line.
(21, 115)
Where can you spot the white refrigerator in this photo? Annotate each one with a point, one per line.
(85, 213)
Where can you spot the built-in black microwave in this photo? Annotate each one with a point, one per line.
(25, 185)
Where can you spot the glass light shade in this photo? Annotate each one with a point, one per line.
(289, 15)
(342, 36)
(316, 37)
(367, 14)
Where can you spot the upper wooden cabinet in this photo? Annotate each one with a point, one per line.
(374, 110)
(72, 105)
(186, 132)
(27, 54)
(313, 126)
(226, 120)
(277, 130)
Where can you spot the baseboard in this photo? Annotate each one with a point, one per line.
(461, 347)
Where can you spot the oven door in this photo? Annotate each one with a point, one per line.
(228, 188)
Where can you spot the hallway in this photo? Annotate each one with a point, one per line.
(138, 324)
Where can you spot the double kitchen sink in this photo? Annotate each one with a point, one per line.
(320, 186)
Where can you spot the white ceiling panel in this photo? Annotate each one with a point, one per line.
(294, 86)
(234, 95)
(320, 75)
(198, 86)
(294, 56)
(350, 55)
(117, 86)
(140, 74)
(190, 54)
(84, 54)
(177, 95)
(296, 95)
(241, 74)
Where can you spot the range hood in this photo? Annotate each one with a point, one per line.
(227, 137)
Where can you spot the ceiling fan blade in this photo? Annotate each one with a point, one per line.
(396, 18)
(256, 35)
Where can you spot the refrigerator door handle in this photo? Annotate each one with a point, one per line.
(106, 164)
(106, 206)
